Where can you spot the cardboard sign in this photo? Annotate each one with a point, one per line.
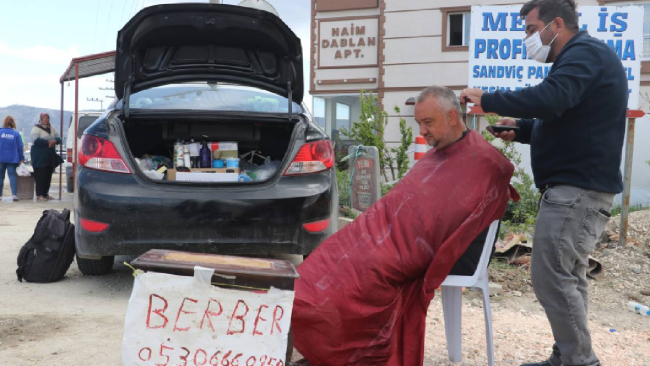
(180, 320)
(497, 53)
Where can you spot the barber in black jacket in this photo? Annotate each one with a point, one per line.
(574, 122)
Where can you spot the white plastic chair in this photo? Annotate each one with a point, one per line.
(452, 301)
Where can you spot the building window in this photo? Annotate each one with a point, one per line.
(456, 23)
(342, 119)
(319, 111)
(458, 31)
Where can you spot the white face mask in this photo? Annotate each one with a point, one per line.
(536, 49)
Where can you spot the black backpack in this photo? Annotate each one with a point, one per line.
(47, 256)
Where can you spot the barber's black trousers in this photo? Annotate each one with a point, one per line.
(42, 180)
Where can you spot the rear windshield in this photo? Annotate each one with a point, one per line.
(85, 122)
(210, 97)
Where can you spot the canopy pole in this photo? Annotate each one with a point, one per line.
(76, 118)
(62, 166)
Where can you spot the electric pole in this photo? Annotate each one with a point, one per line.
(101, 102)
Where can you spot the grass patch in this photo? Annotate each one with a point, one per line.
(616, 210)
(499, 265)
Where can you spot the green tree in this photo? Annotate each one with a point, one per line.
(519, 216)
(370, 131)
(401, 152)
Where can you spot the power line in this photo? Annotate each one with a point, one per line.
(137, 5)
(96, 17)
(123, 13)
(101, 101)
(108, 22)
(132, 10)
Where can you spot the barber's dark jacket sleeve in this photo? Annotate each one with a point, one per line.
(574, 119)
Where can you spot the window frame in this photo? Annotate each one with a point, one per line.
(446, 12)
(336, 118)
(313, 109)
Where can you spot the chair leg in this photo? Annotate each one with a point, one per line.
(488, 323)
(452, 307)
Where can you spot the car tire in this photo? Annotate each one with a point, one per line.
(95, 267)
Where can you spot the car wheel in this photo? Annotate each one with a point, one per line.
(69, 185)
(95, 267)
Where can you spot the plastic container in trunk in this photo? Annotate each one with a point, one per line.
(246, 151)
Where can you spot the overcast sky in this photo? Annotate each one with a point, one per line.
(40, 37)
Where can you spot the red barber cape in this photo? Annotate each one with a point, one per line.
(363, 295)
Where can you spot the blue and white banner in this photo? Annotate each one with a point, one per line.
(497, 54)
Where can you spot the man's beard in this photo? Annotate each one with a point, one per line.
(432, 141)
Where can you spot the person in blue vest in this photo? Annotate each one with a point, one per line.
(574, 121)
(11, 154)
(44, 157)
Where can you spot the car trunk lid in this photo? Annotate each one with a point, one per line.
(174, 43)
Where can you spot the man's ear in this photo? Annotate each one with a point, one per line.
(559, 23)
(453, 117)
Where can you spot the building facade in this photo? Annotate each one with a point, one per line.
(394, 49)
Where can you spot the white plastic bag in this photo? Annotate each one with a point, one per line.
(152, 174)
(23, 171)
(265, 171)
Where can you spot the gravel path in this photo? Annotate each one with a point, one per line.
(79, 321)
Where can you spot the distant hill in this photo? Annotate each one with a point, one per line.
(26, 117)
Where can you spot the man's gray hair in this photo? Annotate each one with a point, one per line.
(445, 97)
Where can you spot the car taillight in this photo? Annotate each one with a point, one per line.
(317, 227)
(313, 157)
(100, 154)
(93, 226)
(69, 155)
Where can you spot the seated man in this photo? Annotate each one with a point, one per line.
(363, 295)
(467, 263)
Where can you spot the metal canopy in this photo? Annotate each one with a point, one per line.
(91, 65)
(81, 67)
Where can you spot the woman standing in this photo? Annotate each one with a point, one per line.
(44, 157)
(11, 154)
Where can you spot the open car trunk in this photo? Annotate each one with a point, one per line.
(261, 145)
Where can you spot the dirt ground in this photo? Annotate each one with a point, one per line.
(79, 320)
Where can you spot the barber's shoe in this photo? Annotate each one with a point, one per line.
(544, 363)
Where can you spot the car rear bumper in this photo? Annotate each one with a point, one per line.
(255, 220)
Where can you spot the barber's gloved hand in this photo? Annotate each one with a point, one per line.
(508, 135)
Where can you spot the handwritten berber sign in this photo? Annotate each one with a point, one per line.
(181, 320)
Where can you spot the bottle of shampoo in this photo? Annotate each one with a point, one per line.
(206, 156)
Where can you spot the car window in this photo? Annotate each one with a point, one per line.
(84, 123)
(215, 97)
